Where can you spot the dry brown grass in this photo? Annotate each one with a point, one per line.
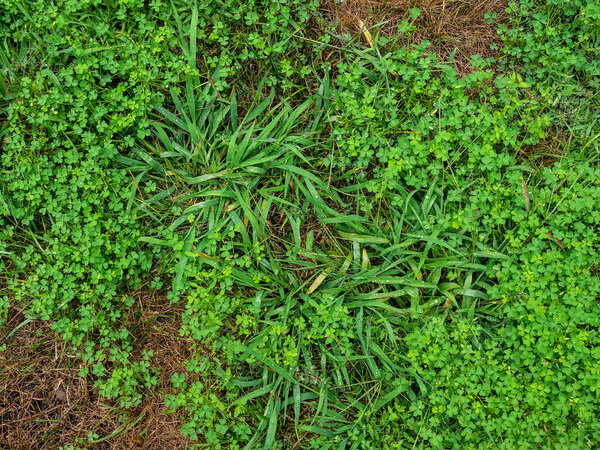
(447, 24)
(549, 150)
(45, 404)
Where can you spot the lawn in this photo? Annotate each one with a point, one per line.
(344, 224)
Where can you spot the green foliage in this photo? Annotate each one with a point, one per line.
(411, 118)
(528, 373)
(79, 96)
(249, 38)
(555, 42)
(392, 260)
(555, 45)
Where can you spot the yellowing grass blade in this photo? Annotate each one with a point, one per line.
(313, 287)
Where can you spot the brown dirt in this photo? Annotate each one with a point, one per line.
(45, 404)
(447, 24)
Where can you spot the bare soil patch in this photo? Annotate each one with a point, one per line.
(449, 25)
(45, 404)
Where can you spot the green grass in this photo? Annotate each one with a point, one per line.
(367, 250)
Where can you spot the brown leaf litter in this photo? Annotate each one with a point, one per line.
(45, 404)
(449, 25)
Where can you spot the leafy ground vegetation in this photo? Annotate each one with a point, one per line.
(299, 224)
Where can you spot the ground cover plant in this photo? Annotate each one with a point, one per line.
(300, 224)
